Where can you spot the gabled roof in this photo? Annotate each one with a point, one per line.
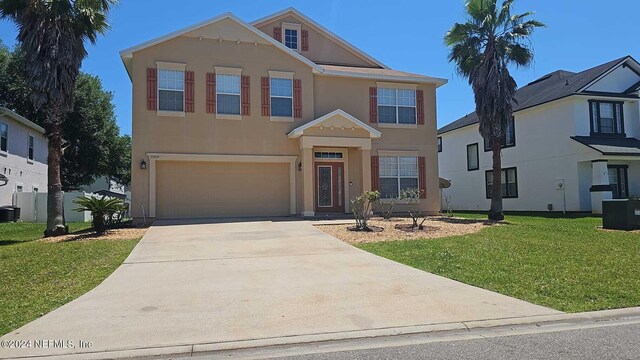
(611, 146)
(21, 119)
(556, 85)
(299, 131)
(321, 29)
(127, 54)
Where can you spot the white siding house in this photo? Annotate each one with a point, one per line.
(23, 156)
(574, 142)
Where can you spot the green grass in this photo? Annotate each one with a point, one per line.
(563, 262)
(37, 277)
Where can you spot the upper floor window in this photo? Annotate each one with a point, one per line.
(607, 118)
(509, 183)
(397, 173)
(228, 94)
(473, 162)
(396, 106)
(4, 136)
(291, 36)
(30, 142)
(508, 139)
(439, 143)
(281, 97)
(170, 90)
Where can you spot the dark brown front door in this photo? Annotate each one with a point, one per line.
(329, 189)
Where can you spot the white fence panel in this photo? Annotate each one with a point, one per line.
(33, 206)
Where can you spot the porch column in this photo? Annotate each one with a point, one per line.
(600, 187)
(366, 170)
(307, 181)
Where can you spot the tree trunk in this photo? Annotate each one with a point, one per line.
(55, 208)
(495, 213)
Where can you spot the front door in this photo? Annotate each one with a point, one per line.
(329, 191)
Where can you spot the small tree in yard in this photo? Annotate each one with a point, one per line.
(412, 197)
(102, 210)
(361, 208)
(387, 208)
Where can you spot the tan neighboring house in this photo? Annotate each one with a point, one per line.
(276, 117)
(23, 156)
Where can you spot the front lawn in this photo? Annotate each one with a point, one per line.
(37, 276)
(565, 263)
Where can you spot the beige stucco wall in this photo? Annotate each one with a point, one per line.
(199, 189)
(352, 96)
(203, 133)
(200, 132)
(322, 50)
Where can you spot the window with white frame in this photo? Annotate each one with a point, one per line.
(31, 142)
(291, 36)
(4, 136)
(396, 106)
(281, 97)
(170, 90)
(397, 173)
(228, 94)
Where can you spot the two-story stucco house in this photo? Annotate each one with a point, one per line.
(23, 156)
(573, 142)
(276, 117)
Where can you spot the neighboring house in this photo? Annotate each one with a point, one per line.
(573, 142)
(276, 117)
(105, 184)
(23, 156)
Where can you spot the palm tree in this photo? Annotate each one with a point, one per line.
(52, 34)
(483, 48)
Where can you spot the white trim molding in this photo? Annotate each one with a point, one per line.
(155, 157)
(281, 74)
(171, 66)
(227, 70)
(299, 131)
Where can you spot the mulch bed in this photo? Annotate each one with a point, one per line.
(401, 229)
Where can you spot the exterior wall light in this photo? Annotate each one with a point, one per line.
(300, 166)
(143, 164)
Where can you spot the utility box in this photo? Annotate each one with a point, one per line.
(621, 214)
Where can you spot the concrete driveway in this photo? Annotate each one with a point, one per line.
(205, 286)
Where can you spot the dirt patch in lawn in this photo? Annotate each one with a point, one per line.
(87, 235)
(400, 229)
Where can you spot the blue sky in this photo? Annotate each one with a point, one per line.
(406, 36)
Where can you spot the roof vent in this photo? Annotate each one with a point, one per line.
(566, 82)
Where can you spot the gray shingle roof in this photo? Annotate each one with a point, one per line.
(553, 86)
(611, 146)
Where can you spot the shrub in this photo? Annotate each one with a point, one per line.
(412, 196)
(386, 208)
(102, 210)
(361, 208)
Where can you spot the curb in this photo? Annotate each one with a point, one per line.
(431, 330)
